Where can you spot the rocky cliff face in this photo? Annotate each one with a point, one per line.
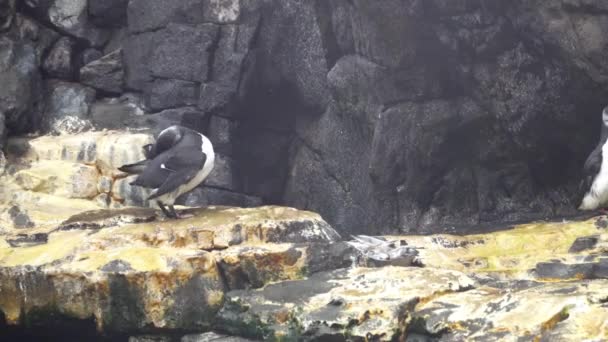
(385, 115)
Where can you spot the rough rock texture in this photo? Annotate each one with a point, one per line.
(276, 273)
(67, 107)
(105, 73)
(478, 287)
(134, 273)
(411, 116)
(21, 91)
(75, 166)
(59, 63)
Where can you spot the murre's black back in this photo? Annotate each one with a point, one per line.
(177, 157)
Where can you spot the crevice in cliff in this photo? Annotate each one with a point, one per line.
(319, 158)
(212, 51)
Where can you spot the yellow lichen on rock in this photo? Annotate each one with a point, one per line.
(156, 265)
(515, 250)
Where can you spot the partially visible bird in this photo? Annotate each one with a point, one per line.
(382, 252)
(178, 161)
(595, 179)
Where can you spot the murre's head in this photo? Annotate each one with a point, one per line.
(165, 140)
(605, 116)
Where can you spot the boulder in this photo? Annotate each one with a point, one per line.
(89, 55)
(66, 100)
(221, 12)
(138, 49)
(221, 133)
(163, 94)
(107, 150)
(104, 74)
(216, 98)
(118, 113)
(331, 304)
(72, 18)
(86, 270)
(27, 29)
(60, 178)
(7, 8)
(108, 13)
(225, 174)
(206, 196)
(20, 94)
(128, 194)
(182, 52)
(59, 62)
(145, 16)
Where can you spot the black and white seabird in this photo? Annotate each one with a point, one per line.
(178, 161)
(595, 178)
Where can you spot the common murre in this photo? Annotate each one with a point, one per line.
(178, 161)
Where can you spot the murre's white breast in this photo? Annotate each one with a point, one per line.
(598, 194)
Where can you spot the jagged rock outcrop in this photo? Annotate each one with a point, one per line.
(412, 115)
(276, 273)
(134, 272)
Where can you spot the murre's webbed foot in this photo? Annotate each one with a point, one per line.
(169, 213)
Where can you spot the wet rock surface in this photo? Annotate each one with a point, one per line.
(278, 273)
(145, 272)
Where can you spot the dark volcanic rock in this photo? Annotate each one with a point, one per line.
(25, 240)
(20, 218)
(90, 55)
(205, 196)
(59, 62)
(412, 115)
(105, 73)
(559, 270)
(225, 174)
(69, 17)
(21, 88)
(216, 98)
(187, 116)
(182, 51)
(584, 243)
(137, 52)
(221, 133)
(148, 15)
(7, 14)
(163, 94)
(176, 52)
(116, 113)
(67, 106)
(108, 13)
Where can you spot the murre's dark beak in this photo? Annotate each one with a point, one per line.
(135, 168)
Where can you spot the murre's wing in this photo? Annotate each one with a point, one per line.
(592, 166)
(182, 167)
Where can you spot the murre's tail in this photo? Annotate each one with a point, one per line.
(135, 168)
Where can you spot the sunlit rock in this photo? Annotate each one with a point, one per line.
(132, 271)
(363, 303)
(60, 178)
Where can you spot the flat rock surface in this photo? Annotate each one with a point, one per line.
(133, 271)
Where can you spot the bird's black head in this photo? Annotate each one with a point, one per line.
(165, 140)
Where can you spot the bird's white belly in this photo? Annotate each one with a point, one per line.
(598, 194)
